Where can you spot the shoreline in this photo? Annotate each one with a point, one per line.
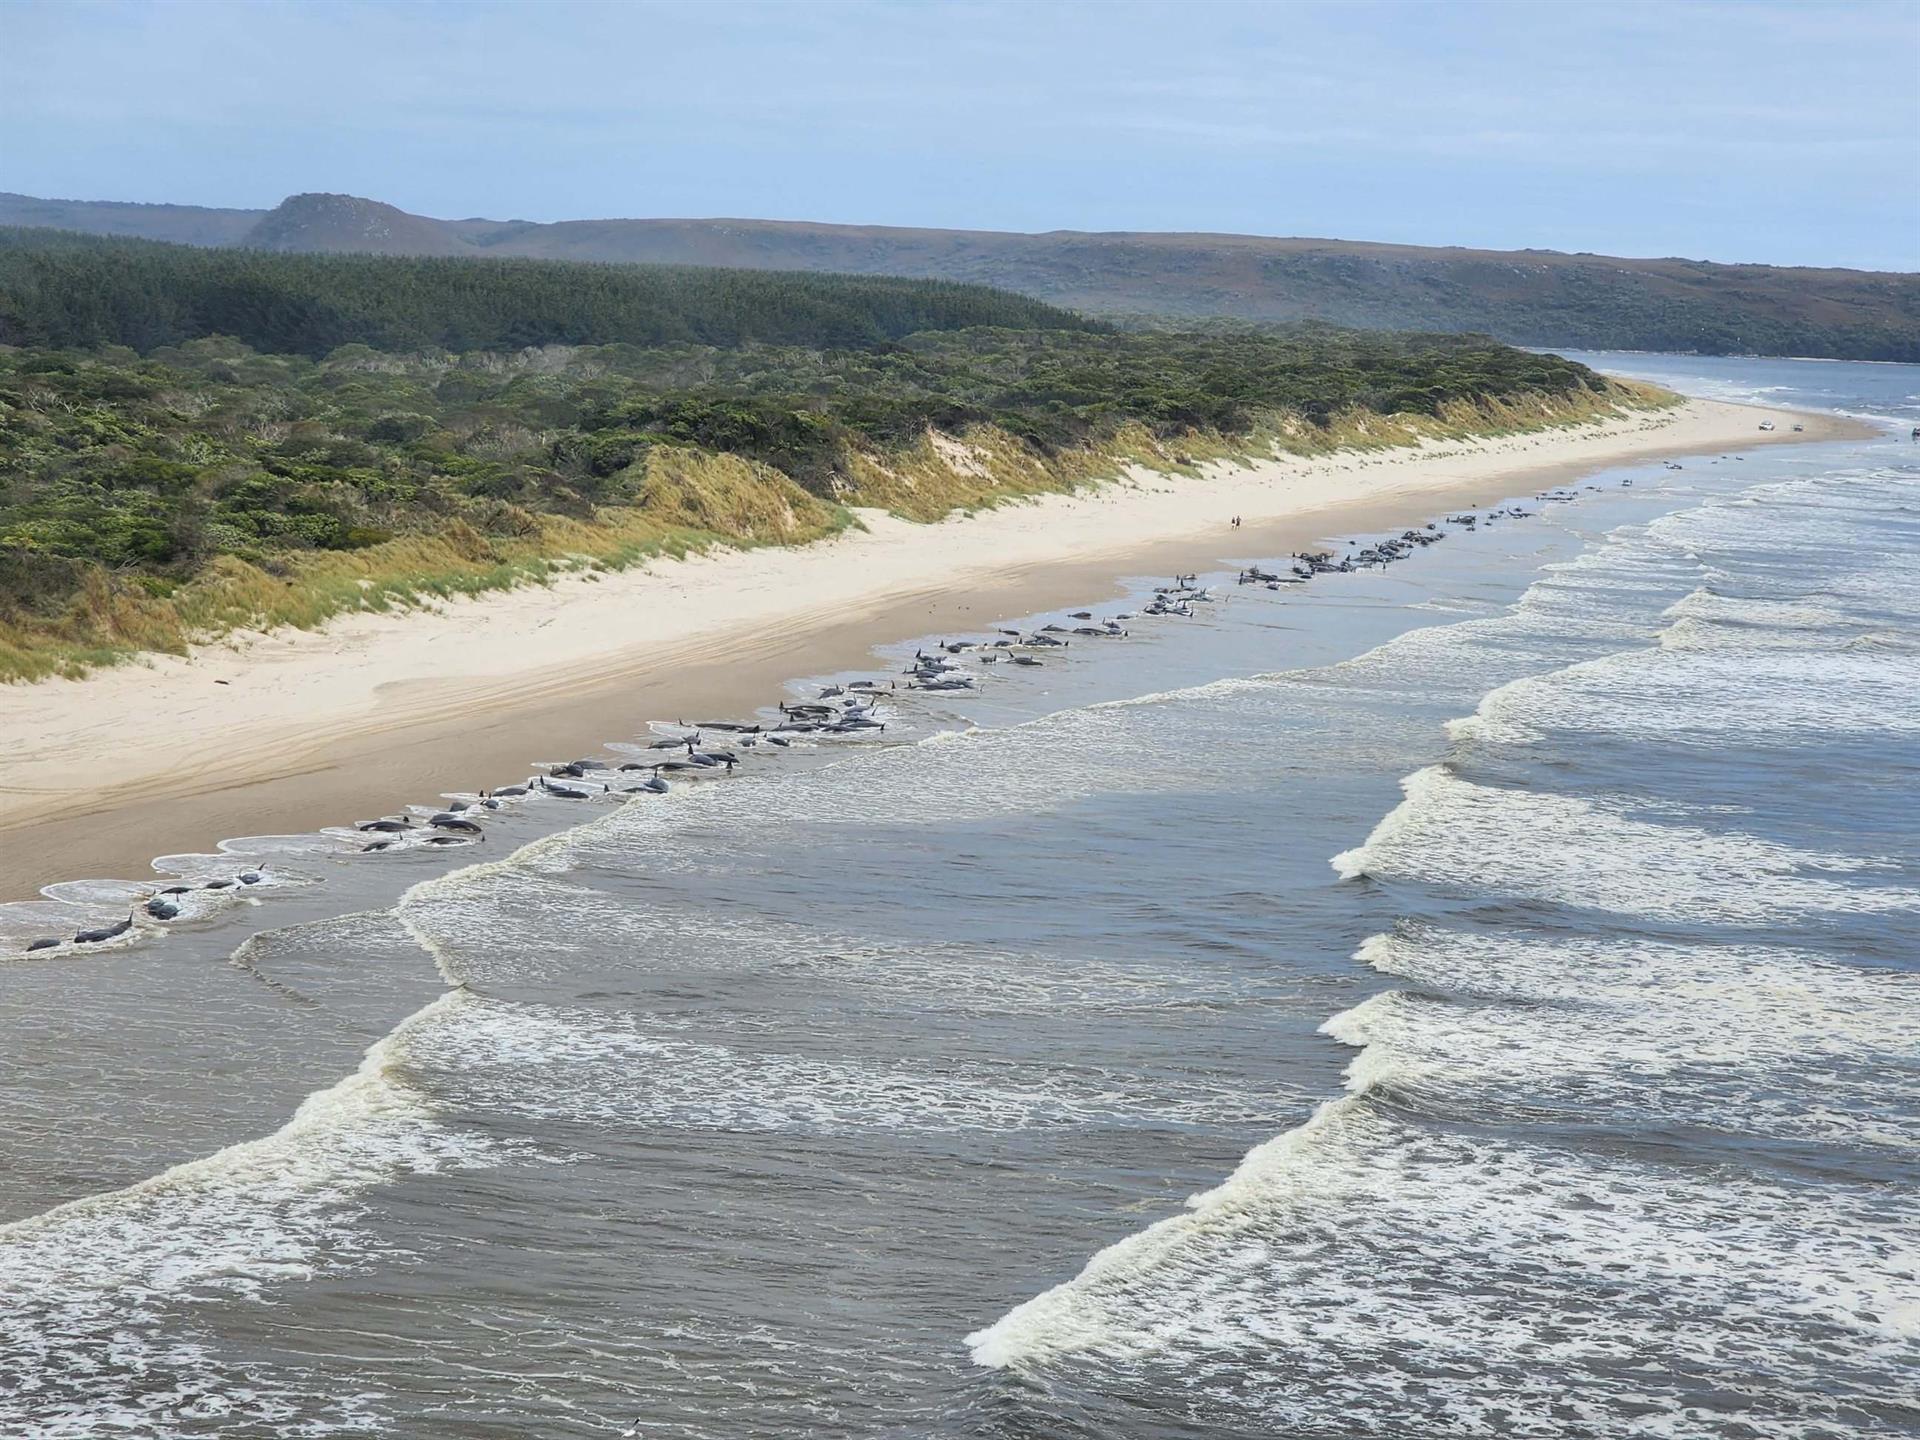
(289, 731)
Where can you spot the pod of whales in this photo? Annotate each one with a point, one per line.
(846, 708)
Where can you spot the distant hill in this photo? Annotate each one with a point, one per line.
(182, 224)
(1532, 297)
(344, 224)
(59, 289)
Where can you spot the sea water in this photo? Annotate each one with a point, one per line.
(1472, 998)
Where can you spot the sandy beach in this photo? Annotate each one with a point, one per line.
(267, 734)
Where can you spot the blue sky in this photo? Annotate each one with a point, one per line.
(1786, 132)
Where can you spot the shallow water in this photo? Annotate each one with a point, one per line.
(1474, 998)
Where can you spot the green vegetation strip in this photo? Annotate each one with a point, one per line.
(61, 289)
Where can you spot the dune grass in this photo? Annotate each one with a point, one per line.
(690, 503)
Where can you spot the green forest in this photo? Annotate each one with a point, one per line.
(151, 492)
(62, 289)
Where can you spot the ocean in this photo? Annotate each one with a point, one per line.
(1477, 997)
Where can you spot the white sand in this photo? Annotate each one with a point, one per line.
(165, 731)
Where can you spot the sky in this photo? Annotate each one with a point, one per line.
(1750, 131)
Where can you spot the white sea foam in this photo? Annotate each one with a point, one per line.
(1696, 691)
(1036, 768)
(964, 978)
(1771, 669)
(1749, 1040)
(1711, 620)
(1528, 845)
(1358, 1275)
(1847, 538)
(506, 922)
(543, 1063)
(96, 1296)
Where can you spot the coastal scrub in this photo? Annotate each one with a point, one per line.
(150, 502)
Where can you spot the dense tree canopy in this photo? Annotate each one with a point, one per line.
(62, 289)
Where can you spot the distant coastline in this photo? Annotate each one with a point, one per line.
(1715, 355)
